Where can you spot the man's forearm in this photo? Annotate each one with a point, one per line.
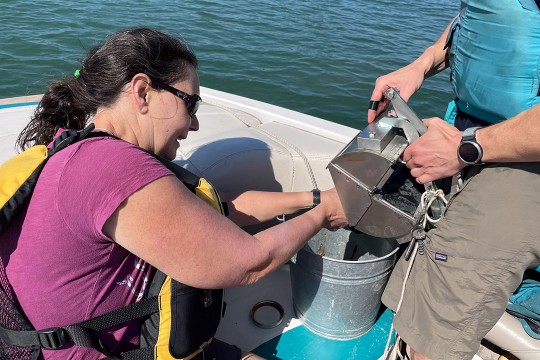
(435, 58)
(514, 140)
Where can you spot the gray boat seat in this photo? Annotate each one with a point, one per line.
(509, 335)
(273, 156)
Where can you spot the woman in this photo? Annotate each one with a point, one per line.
(105, 213)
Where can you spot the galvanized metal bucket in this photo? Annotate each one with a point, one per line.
(337, 282)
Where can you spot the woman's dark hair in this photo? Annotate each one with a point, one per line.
(70, 102)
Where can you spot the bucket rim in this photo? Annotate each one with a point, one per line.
(362, 261)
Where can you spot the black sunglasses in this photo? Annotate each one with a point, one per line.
(192, 101)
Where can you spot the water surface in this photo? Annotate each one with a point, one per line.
(317, 57)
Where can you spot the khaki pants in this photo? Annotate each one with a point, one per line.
(474, 260)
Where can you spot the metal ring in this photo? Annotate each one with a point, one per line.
(373, 105)
(267, 303)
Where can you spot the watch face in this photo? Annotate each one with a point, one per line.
(469, 152)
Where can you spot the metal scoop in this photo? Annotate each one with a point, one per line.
(379, 196)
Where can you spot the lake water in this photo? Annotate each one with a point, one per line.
(316, 57)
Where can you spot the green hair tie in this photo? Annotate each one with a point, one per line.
(77, 73)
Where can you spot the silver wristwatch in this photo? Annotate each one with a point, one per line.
(469, 151)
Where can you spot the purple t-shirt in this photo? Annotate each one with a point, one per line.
(63, 269)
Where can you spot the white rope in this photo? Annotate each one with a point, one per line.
(427, 199)
(409, 268)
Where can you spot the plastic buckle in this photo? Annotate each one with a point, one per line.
(418, 235)
(53, 338)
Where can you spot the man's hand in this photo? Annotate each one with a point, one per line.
(433, 156)
(407, 80)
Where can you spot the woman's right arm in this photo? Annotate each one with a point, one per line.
(169, 227)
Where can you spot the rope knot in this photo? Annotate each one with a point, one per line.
(427, 201)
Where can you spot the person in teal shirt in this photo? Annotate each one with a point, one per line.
(475, 257)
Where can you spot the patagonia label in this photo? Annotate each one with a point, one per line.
(441, 257)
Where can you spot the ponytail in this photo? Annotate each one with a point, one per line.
(60, 107)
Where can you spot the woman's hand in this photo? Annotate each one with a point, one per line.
(335, 216)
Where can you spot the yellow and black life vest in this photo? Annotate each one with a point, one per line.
(178, 320)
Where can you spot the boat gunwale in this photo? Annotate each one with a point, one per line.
(26, 100)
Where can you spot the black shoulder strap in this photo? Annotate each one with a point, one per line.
(69, 137)
(187, 177)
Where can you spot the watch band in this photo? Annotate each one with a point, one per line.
(316, 201)
(316, 197)
(469, 134)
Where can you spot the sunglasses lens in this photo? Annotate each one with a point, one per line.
(194, 106)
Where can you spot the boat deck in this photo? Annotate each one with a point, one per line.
(290, 339)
